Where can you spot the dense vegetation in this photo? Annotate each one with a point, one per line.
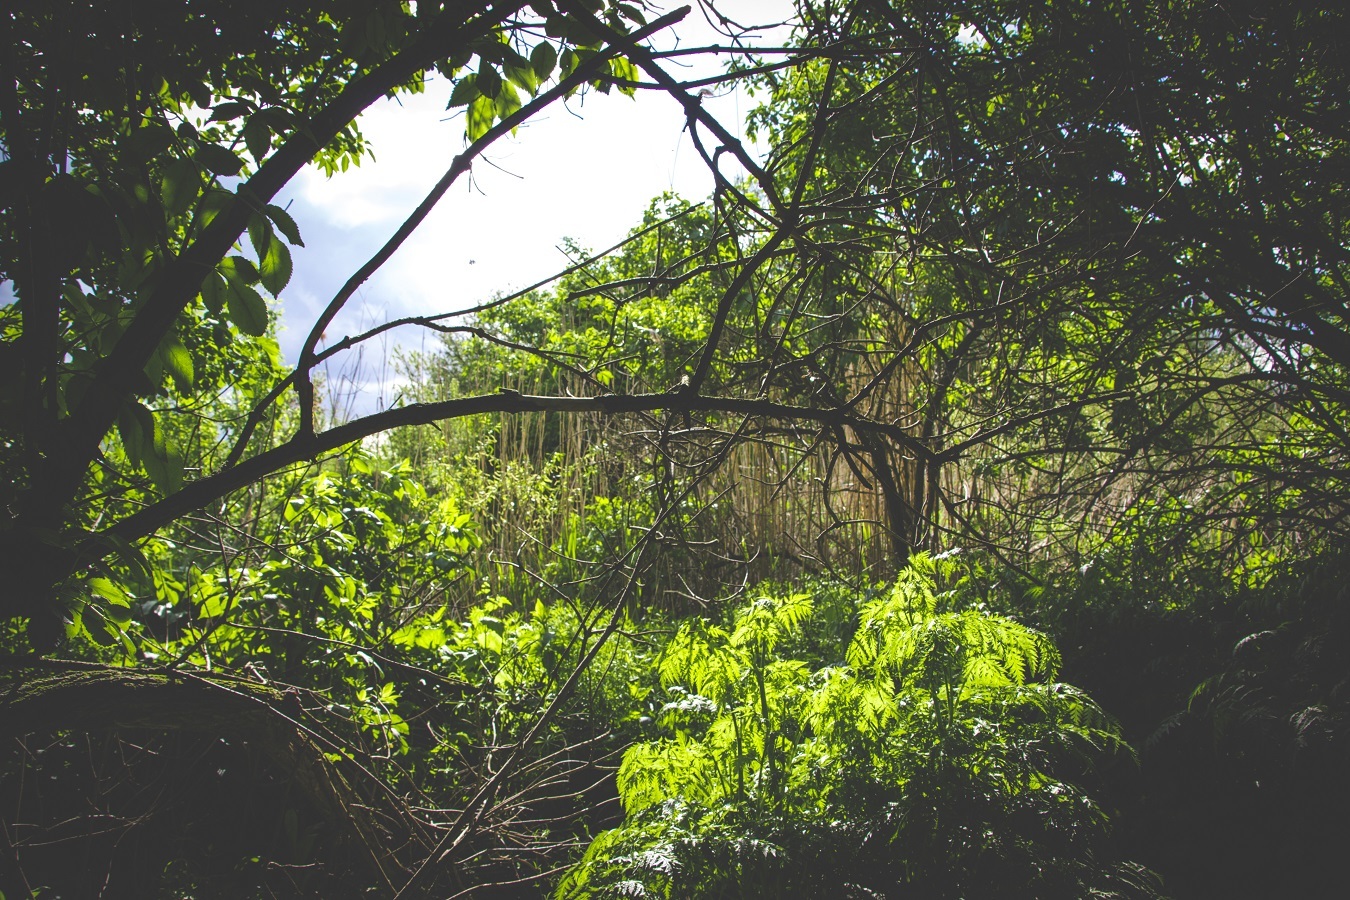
(951, 505)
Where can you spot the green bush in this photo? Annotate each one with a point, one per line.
(938, 760)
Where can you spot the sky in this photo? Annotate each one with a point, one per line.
(584, 171)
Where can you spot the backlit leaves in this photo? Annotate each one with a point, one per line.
(543, 59)
(285, 224)
(933, 706)
(482, 113)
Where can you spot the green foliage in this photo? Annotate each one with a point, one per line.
(138, 152)
(1072, 277)
(940, 759)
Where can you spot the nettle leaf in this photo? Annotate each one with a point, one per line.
(218, 160)
(179, 188)
(465, 92)
(285, 224)
(543, 59)
(257, 137)
(177, 361)
(482, 113)
(275, 266)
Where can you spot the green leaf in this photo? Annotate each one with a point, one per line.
(465, 92)
(218, 160)
(275, 266)
(136, 427)
(97, 626)
(555, 26)
(623, 70)
(213, 292)
(214, 203)
(181, 183)
(154, 375)
(489, 81)
(257, 137)
(632, 13)
(523, 77)
(121, 615)
(177, 362)
(214, 604)
(520, 71)
(285, 224)
(543, 59)
(259, 233)
(200, 94)
(162, 463)
(116, 606)
(460, 57)
(246, 308)
(508, 101)
(238, 268)
(482, 112)
(229, 110)
(109, 591)
(489, 49)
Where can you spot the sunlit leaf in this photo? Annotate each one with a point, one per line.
(482, 113)
(274, 268)
(246, 308)
(284, 223)
(465, 92)
(543, 59)
(177, 363)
